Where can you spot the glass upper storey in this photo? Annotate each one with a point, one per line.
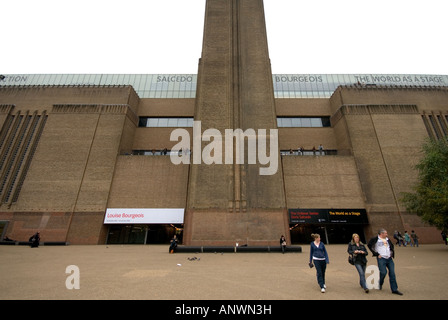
(184, 85)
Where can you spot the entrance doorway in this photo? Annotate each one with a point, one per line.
(143, 233)
(329, 233)
(163, 233)
(3, 227)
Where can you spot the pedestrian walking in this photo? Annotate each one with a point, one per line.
(397, 239)
(400, 240)
(319, 258)
(383, 249)
(444, 237)
(407, 239)
(414, 238)
(359, 252)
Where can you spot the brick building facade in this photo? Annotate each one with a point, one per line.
(75, 146)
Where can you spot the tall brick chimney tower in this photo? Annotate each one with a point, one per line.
(229, 203)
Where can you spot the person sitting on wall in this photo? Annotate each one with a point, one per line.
(283, 243)
(321, 150)
(34, 239)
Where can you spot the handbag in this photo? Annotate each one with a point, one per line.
(351, 259)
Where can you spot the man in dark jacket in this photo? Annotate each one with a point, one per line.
(383, 249)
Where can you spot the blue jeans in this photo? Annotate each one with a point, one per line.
(362, 274)
(321, 266)
(383, 265)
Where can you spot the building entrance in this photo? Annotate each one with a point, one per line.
(143, 233)
(3, 227)
(163, 233)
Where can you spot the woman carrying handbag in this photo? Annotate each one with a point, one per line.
(358, 251)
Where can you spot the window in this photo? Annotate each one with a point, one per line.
(183, 122)
(152, 122)
(442, 125)
(316, 122)
(19, 138)
(436, 125)
(326, 122)
(303, 122)
(306, 122)
(427, 126)
(296, 122)
(165, 122)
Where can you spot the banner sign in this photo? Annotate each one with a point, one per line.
(184, 85)
(356, 216)
(308, 216)
(144, 216)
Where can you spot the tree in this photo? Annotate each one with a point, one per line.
(430, 199)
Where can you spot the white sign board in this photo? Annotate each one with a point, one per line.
(144, 216)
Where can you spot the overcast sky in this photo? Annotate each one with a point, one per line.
(165, 36)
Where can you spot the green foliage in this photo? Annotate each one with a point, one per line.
(430, 199)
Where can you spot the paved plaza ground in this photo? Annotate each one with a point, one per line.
(150, 272)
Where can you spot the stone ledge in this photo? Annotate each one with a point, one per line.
(27, 243)
(220, 249)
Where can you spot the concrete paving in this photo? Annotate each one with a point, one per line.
(150, 272)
